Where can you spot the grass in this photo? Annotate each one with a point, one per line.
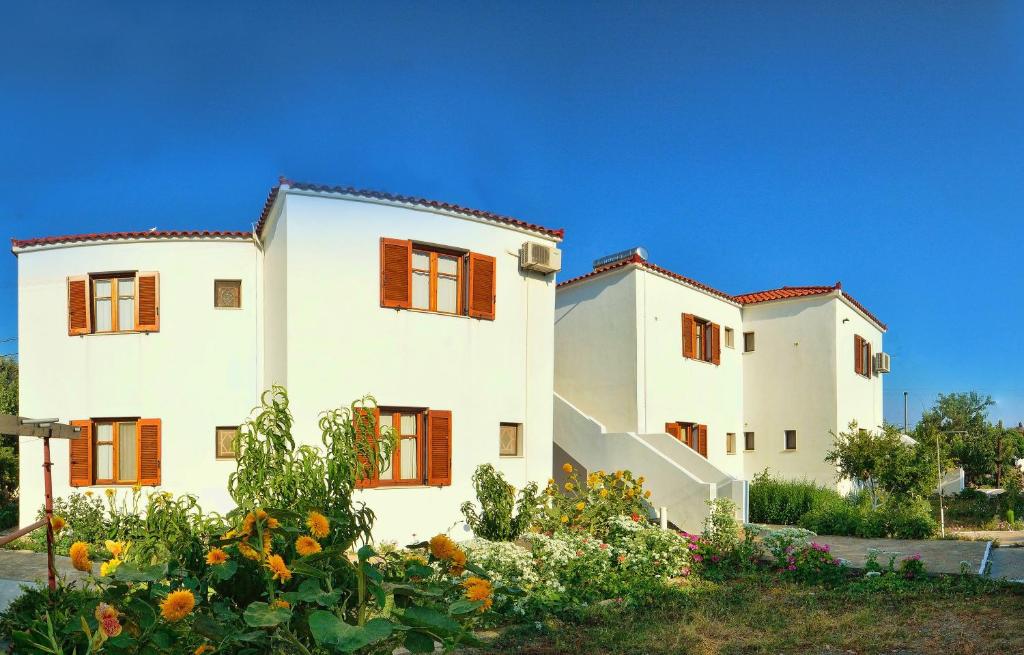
(761, 614)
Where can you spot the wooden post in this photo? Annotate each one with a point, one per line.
(48, 484)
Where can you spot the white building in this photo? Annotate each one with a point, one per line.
(158, 344)
(706, 387)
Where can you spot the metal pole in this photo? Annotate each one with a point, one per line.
(938, 467)
(906, 422)
(48, 482)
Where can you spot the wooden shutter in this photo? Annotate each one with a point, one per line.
(702, 440)
(675, 430)
(395, 273)
(80, 455)
(858, 347)
(78, 305)
(147, 301)
(149, 451)
(689, 336)
(716, 344)
(867, 359)
(439, 447)
(482, 271)
(368, 472)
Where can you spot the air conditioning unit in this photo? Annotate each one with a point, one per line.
(882, 363)
(539, 257)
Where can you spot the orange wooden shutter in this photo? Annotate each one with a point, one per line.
(368, 472)
(858, 346)
(147, 302)
(149, 451)
(78, 305)
(716, 344)
(867, 361)
(482, 271)
(395, 273)
(675, 430)
(439, 447)
(702, 440)
(80, 455)
(689, 336)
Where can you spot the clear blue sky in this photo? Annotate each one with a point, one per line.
(747, 146)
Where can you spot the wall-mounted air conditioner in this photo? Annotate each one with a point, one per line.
(539, 257)
(882, 363)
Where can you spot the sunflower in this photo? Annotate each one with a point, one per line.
(306, 545)
(565, 519)
(79, 553)
(604, 493)
(568, 486)
(458, 562)
(580, 505)
(318, 525)
(216, 556)
(281, 602)
(57, 523)
(177, 605)
(567, 467)
(203, 649)
(277, 566)
(479, 589)
(116, 548)
(442, 547)
(647, 494)
(110, 492)
(106, 568)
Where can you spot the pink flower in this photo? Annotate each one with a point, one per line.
(685, 571)
(692, 546)
(698, 558)
(791, 567)
(603, 546)
(715, 558)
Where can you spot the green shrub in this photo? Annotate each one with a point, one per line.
(63, 604)
(501, 518)
(837, 518)
(895, 520)
(783, 502)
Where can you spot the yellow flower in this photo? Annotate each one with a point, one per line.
(604, 493)
(281, 602)
(442, 547)
(579, 506)
(136, 488)
(478, 589)
(458, 562)
(567, 467)
(116, 548)
(250, 552)
(177, 605)
(551, 481)
(89, 493)
(565, 519)
(259, 515)
(318, 525)
(568, 486)
(307, 546)
(106, 568)
(57, 523)
(640, 480)
(618, 475)
(79, 553)
(278, 568)
(647, 494)
(629, 493)
(203, 649)
(216, 556)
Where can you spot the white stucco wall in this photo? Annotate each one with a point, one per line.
(196, 373)
(857, 398)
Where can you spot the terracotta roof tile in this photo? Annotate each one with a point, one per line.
(643, 263)
(114, 236)
(405, 200)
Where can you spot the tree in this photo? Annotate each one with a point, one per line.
(8, 445)
(883, 462)
(961, 419)
(858, 454)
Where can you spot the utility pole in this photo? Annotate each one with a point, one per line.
(906, 421)
(999, 455)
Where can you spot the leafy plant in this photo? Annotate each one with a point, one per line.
(783, 502)
(590, 505)
(501, 516)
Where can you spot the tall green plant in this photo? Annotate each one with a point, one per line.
(501, 516)
(8, 445)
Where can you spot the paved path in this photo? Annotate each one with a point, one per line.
(1008, 563)
(20, 567)
(939, 555)
(1004, 537)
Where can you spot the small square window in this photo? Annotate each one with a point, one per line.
(226, 442)
(748, 441)
(730, 443)
(790, 439)
(729, 338)
(227, 294)
(510, 440)
(748, 342)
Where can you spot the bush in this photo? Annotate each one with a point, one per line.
(893, 519)
(590, 506)
(783, 502)
(63, 605)
(501, 518)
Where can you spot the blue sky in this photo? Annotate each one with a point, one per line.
(746, 145)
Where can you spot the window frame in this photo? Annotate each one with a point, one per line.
(114, 278)
(519, 439)
(461, 286)
(396, 452)
(730, 443)
(218, 281)
(223, 454)
(703, 346)
(749, 442)
(728, 337)
(749, 345)
(865, 358)
(94, 442)
(785, 440)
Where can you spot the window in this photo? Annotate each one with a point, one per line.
(115, 451)
(406, 465)
(701, 339)
(748, 441)
(434, 279)
(790, 439)
(422, 447)
(227, 294)
(861, 356)
(748, 342)
(730, 443)
(225, 442)
(510, 443)
(729, 338)
(693, 435)
(437, 280)
(113, 302)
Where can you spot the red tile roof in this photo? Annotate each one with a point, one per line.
(405, 200)
(643, 263)
(114, 236)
